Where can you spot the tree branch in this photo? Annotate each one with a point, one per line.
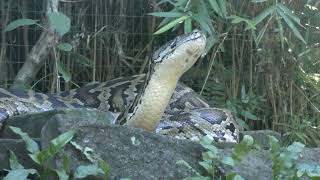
(39, 52)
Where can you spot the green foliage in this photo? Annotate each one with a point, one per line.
(65, 46)
(285, 163)
(62, 69)
(44, 156)
(31, 145)
(213, 158)
(59, 22)
(89, 170)
(302, 131)
(188, 12)
(243, 108)
(18, 23)
(269, 49)
(278, 11)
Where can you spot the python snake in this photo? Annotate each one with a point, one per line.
(155, 102)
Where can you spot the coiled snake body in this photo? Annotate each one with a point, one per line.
(155, 102)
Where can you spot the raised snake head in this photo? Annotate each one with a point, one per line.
(180, 53)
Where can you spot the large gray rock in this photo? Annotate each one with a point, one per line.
(130, 152)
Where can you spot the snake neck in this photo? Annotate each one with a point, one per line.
(154, 98)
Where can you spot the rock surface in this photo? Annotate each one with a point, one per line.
(131, 153)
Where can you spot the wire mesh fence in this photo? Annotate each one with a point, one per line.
(115, 36)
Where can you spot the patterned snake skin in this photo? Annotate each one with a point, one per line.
(186, 116)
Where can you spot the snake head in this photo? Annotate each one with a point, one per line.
(180, 53)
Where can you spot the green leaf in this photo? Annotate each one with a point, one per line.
(105, 167)
(59, 22)
(281, 34)
(19, 174)
(233, 176)
(14, 164)
(261, 33)
(62, 174)
(243, 148)
(237, 19)
(63, 70)
(274, 145)
(207, 166)
(60, 141)
(228, 161)
(215, 7)
(211, 148)
(264, 14)
(166, 14)
(205, 140)
(31, 145)
(289, 13)
(171, 24)
(248, 115)
(83, 60)
(187, 25)
(19, 22)
(54, 147)
(89, 170)
(291, 25)
(296, 147)
(204, 22)
(223, 7)
(65, 46)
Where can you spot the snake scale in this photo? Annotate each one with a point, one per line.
(155, 102)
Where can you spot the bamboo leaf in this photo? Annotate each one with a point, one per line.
(263, 15)
(18, 23)
(261, 33)
(248, 115)
(291, 25)
(223, 7)
(237, 19)
(203, 21)
(187, 25)
(289, 13)
(215, 7)
(166, 14)
(171, 24)
(280, 32)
